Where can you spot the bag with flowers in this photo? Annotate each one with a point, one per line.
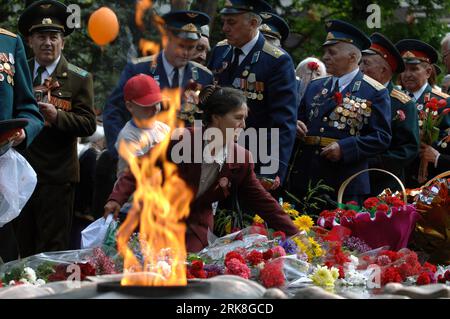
(432, 233)
(385, 220)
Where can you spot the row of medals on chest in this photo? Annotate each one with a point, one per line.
(7, 68)
(252, 89)
(352, 113)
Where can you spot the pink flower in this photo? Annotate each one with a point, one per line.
(278, 251)
(236, 267)
(255, 257)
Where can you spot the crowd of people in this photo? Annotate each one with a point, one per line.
(357, 107)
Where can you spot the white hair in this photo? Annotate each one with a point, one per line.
(305, 74)
(252, 15)
(446, 40)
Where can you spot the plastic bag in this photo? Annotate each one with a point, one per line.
(94, 234)
(17, 183)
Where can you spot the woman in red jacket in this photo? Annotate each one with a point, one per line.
(224, 166)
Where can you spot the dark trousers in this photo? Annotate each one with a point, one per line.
(8, 243)
(45, 222)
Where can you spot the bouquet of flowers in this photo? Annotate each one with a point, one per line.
(383, 220)
(430, 117)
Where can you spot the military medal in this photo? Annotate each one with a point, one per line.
(245, 73)
(2, 77)
(260, 96)
(9, 79)
(6, 66)
(1, 67)
(419, 107)
(11, 58)
(324, 91)
(444, 145)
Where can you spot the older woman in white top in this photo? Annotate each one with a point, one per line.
(308, 70)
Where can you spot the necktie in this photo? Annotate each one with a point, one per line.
(38, 79)
(335, 88)
(235, 63)
(175, 80)
(411, 95)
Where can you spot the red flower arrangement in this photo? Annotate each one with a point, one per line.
(268, 254)
(272, 274)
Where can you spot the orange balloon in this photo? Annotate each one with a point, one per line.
(103, 26)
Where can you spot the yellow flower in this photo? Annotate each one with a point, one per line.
(315, 247)
(304, 222)
(258, 220)
(288, 209)
(324, 277)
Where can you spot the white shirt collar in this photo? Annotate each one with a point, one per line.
(169, 68)
(346, 79)
(386, 84)
(419, 93)
(49, 69)
(219, 157)
(246, 48)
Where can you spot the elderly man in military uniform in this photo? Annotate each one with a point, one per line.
(380, 62)
(66, 101)
(265, 73)
(344, 119)
(171, 68)
(17, 101)
(203, 47)
(419, 58)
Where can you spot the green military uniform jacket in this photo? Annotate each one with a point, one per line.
(16, 93)
(53, 154)
(404, 146)
(412, 169)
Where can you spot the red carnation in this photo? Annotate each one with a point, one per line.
(272, 275)
(338, 97)
(197, 265)
(390, 274)
(233, 254)
(405, 270)
(442, 103)
(371, 202)
(279, 233)
(352, 203)
(383, 208)
(236, 267)
(447, 275)
(313, 66)
(268, 254)
(255, 257)
(430, 267)
(423, 279)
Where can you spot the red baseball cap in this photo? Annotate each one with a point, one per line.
(143, 90)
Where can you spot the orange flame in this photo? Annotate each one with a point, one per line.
(161, 200)
(160, 204)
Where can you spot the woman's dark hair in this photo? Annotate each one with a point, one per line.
(216, 100)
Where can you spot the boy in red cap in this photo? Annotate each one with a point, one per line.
(143, 100)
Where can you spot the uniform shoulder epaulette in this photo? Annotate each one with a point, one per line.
(77, 70)
(402, 97)
(3, 31)
(374, 83)
(148, 58)
(272, 50)
(201, 66)
(439, 93)
(222, 43)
